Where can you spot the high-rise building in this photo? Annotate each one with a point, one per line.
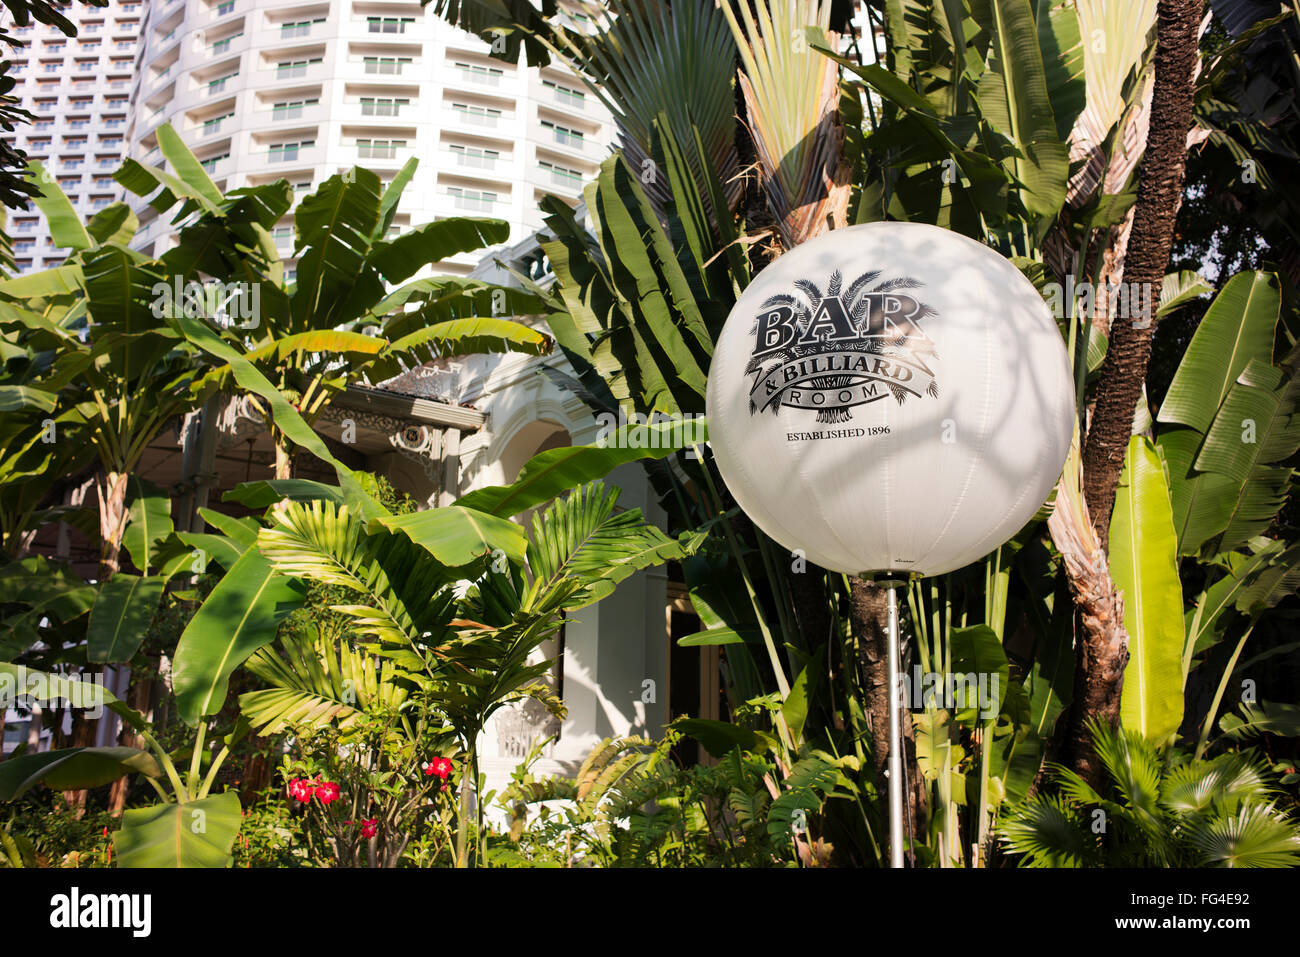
(301, 90)
(79, 89)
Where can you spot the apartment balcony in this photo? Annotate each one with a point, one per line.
(482, 121)
(267, 117)
(557, 180)
(227, 47)
(272, 158)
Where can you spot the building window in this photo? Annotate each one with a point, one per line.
(564, 135)
(562, 175)
(474, 73)
(479, 200)
(382, 106)
(388, 24)
(475, 157)
(103, 182)
(477, 115)
(283, 235)
(379, 149)
(219, 84)
(288, 152)
(294, 68)
(386, 65)
(298, 28)
(567, 95)
(222, 45)
(302, 187)
(227, 7)
(213, 126)
(211, 162)
(290, 109)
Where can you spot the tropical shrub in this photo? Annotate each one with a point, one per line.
(1157, 809)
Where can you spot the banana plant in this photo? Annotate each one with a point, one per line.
(349, 314)
(119, 372)
(191, 827)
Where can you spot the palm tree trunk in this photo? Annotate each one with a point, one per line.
(1160, 186)
(1102, 649)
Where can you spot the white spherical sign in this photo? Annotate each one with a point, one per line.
(891, 397)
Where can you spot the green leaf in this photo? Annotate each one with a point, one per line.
(1179, 288)
(71, 769)
(400, 258)
(391, 196)
(457, 536)
(1144, 566)
(15, 398)
(977, 650)
(65, 226)
(718, 737)
(795, 707)
(581, 542)
(217, 547)
(195, 834)
(1013, 98)
(239, 616)
(187, 167)
(333, 227)
(149, 521)
(121, 616)
(1237, 328)
(59, 281)
(718, 636)
(554, 471)
(56, 690)
(114, 224)
(241, 531)
(266, 492)
(458, 337)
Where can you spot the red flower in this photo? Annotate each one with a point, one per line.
(327, 792)
(300, 789)
(369, 827)
(441, 767)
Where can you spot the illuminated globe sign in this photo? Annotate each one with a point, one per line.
(891, 397)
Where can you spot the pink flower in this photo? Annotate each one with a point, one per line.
(441, 767)
(300, 789)
(327, 791)
(369, 827)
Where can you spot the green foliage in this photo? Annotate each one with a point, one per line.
(1156, 810)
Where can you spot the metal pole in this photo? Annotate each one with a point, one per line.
(895, 761)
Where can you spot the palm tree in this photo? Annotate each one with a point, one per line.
(1154, 810)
